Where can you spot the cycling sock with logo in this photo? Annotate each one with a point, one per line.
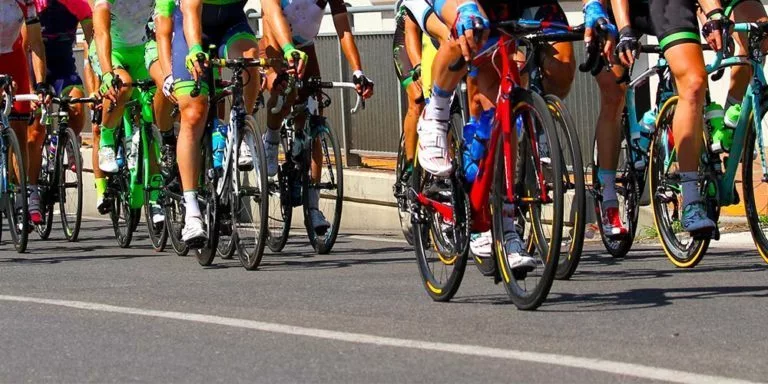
(101, 186)
(689, 181)
(191, 209)
(607, 179)
(439, 107)
(155, 183)
(107, 137)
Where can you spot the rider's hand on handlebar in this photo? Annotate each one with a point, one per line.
(472, 29)
(716, 27)
(197, 61)
(363, 85)
(44, 92)
(297, 60)
(596, 22)
(628, 45)
(168, 88)
(108, 87)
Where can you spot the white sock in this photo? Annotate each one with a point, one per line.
(190, 205)
(439, 108)
(607, 179)
(272, 135)
(690, 184)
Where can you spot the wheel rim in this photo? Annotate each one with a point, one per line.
(70, 190)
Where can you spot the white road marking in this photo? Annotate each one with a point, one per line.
(379, 239)
(599, 365)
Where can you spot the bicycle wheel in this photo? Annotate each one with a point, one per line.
(16, 199)
(124, 219)
(280, 203)
(328, 184)
(174, 216)
(441, 243)
(400, 189)
(251, 203)
(46, 187)
(574, 204)
(628, 192)
(754, 176)
(539, 196)
(70, 185)
(158, 235)
(682, 250)
(209, 208)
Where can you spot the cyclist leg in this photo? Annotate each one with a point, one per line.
(92, 73)
(193, 114)
(240, 41)
(556, 60)
(113, 114)
(405, 33)
(162, 108)
(743, 11)
(608, 136)
(676, 26)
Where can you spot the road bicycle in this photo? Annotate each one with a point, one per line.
(13, 177)
(137, 182)
(572, 163)
(305, 134)
(717, 172)
(232, 195)
(447, 210)
(61, 173)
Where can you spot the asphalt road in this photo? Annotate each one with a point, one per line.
(92, 312)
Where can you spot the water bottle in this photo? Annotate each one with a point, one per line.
(133, 152)
(640, 137)
(119, 157)
(51, 160)
(520, 125)
(721, 128)
(218, 142)
(476, 137)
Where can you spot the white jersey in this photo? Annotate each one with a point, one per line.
(128, 20)
(420, 10)
(12, 15)
(305, 17)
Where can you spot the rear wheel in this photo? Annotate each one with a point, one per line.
(681, 249)
(16, 203)
(124, 219)
(754, 171)
(70, 185)
(442, 243)
(209, 208)
(252, 202)
(539, 196)
(402, 178)
(574, 204)
(327, 188)
(280, 201)
(628, 191)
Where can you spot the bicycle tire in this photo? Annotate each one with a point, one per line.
(158, 234)
(525, 101)
(431, 234)
(323, 244)
(756, 217)
(680, 254)
(573, 182)
(45, 186)
(121, 214)
(251, 253)
(18, 217)
(628, 191)
(280, 203)
(400, 191)
(174, 211)
(206, 254)
(70, 145)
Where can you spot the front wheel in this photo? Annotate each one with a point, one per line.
(681, 249)
(538, 191)
(16, 209)
(251, 203)
(754, 170)
(70, 185)
(323, 190)
(47, 190)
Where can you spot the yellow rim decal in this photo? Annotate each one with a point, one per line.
(433, 288)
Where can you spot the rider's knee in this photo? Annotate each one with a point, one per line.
(611, 93)
(692, 85)
(560, 76)
(194, 114)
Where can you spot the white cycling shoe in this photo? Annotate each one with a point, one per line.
(107, 160)
(193, 232)
(517, 256)
(433, 147)
(481, 244)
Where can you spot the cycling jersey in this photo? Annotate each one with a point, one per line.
(305, 17)
(13, 13)
(59, 20)
(128, 20)
(418, 10)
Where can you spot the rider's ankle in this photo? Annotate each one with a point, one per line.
(689, 183)
(439, 107)
(191, 209)
(107, 137)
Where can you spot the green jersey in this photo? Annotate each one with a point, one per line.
(128, 20)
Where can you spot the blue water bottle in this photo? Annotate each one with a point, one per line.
(640, 137)
(476, 135)
(218, 142)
